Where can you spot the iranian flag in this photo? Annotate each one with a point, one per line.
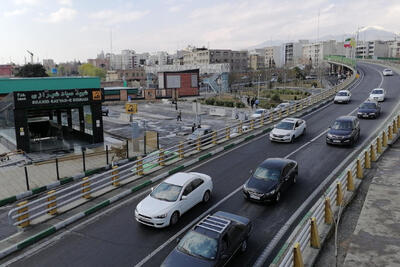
(347, 42)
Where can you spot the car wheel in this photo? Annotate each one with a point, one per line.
(243, 246)
(295, 178)
(206, 196)
(174, 218)
(278, 197)
(304, 132)
(292, 139)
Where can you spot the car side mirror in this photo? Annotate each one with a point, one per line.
(178, 240)
(329, 127)
(251, 171)
(183, 197)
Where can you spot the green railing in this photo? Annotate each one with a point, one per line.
(341, 59)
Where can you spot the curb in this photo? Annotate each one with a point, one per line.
(60, 225)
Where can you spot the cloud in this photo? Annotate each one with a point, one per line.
(65, 2)
(15, 12)
(63, 14)
(28, 2)
(112, 17)
(174, 8)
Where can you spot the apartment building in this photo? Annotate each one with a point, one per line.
(292, 53)
(314, 53)
(394, 49)
(372, 49)
(273, 57)
(256, 61)
(238, 60)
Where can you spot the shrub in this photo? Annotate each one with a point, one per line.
(219, 102)
(210, 101)
(239, 105)
(276, 98)
(228, 104)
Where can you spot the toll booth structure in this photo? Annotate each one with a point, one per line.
(53, 119)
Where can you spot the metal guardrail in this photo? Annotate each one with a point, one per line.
(326, 209)
(50, 205)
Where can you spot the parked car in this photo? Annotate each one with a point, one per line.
(211, 242)
(344, 131)
(387, 72)
(369, 109)
(378, 94)
(104, 110)
(287, 130)
(258, 113)
(281, 106)
(199, 133)
(343, 96)
(151, 160)
(270, 179)
(172, 198)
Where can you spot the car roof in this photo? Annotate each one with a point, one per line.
(275, 163)
(180, 178)
(346, 118)
(344, 91)
(291, 119)
(370, 101)
(377, 89)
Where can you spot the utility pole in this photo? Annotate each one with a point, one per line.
(258, 92)
(29, 52)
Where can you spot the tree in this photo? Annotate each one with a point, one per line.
(32, 70)
(90, 70)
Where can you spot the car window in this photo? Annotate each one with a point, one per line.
(284, 125)
(196, 183)
(368, 105)
(342, 125)
(285, 171)
(166, 192)
(188, 189)
(235, 234)
(198, 245)
(377, 92)
(267, 174)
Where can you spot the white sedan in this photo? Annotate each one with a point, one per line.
(281, 106)
(378, 94)
(287, 130)
(258, 113)
(173, 197)
(387, 72)
(343, 96)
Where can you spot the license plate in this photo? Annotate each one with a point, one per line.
(365, 115)
(255, 197)
(336, 141)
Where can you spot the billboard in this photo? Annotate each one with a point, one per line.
(173, 81)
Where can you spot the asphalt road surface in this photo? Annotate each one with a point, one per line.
(116, 239)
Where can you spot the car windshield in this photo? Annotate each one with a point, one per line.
(368, 106)
(284, 125)
(198, 245)
(166, 192)
(260, 111)
(342, 94)
(267, 174)
(342, 125)
(377, 92)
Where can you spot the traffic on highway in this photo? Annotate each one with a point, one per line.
(225, 210)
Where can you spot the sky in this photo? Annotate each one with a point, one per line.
(67, 30)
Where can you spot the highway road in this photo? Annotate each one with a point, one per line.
(115, 238)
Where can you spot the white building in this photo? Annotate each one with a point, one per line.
(394, 49)
(314, 53)
(292, 53)
(372, 49)
(273, 57)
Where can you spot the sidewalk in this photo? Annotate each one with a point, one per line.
(376, 239)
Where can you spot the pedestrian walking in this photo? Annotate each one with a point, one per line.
(252, 103)
(257, 102)
(193, 127)
(179, 116)
(248, 100)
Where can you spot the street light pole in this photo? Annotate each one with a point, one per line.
(258, 92)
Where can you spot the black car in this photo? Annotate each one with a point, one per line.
(211, 242)
(369, 109)
(344, 131)
(104, 110)
(270, 179)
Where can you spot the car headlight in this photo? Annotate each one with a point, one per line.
(287, 134)
(271, 192)
(359, 113)
(245, 188)
(329, 135)
(161, 216)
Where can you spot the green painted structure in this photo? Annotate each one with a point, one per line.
(9, 85)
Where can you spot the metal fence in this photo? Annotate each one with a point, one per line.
(57, 201)
(327, 208)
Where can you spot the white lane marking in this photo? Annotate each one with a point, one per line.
(166, 243)
(116, 206)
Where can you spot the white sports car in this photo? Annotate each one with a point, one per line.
(287, 130)
(173, 197)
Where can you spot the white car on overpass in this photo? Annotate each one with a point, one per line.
(258, 113)
(377, 94)
(173, 197)
(387, 72)
(343, 96)
(287, 130)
